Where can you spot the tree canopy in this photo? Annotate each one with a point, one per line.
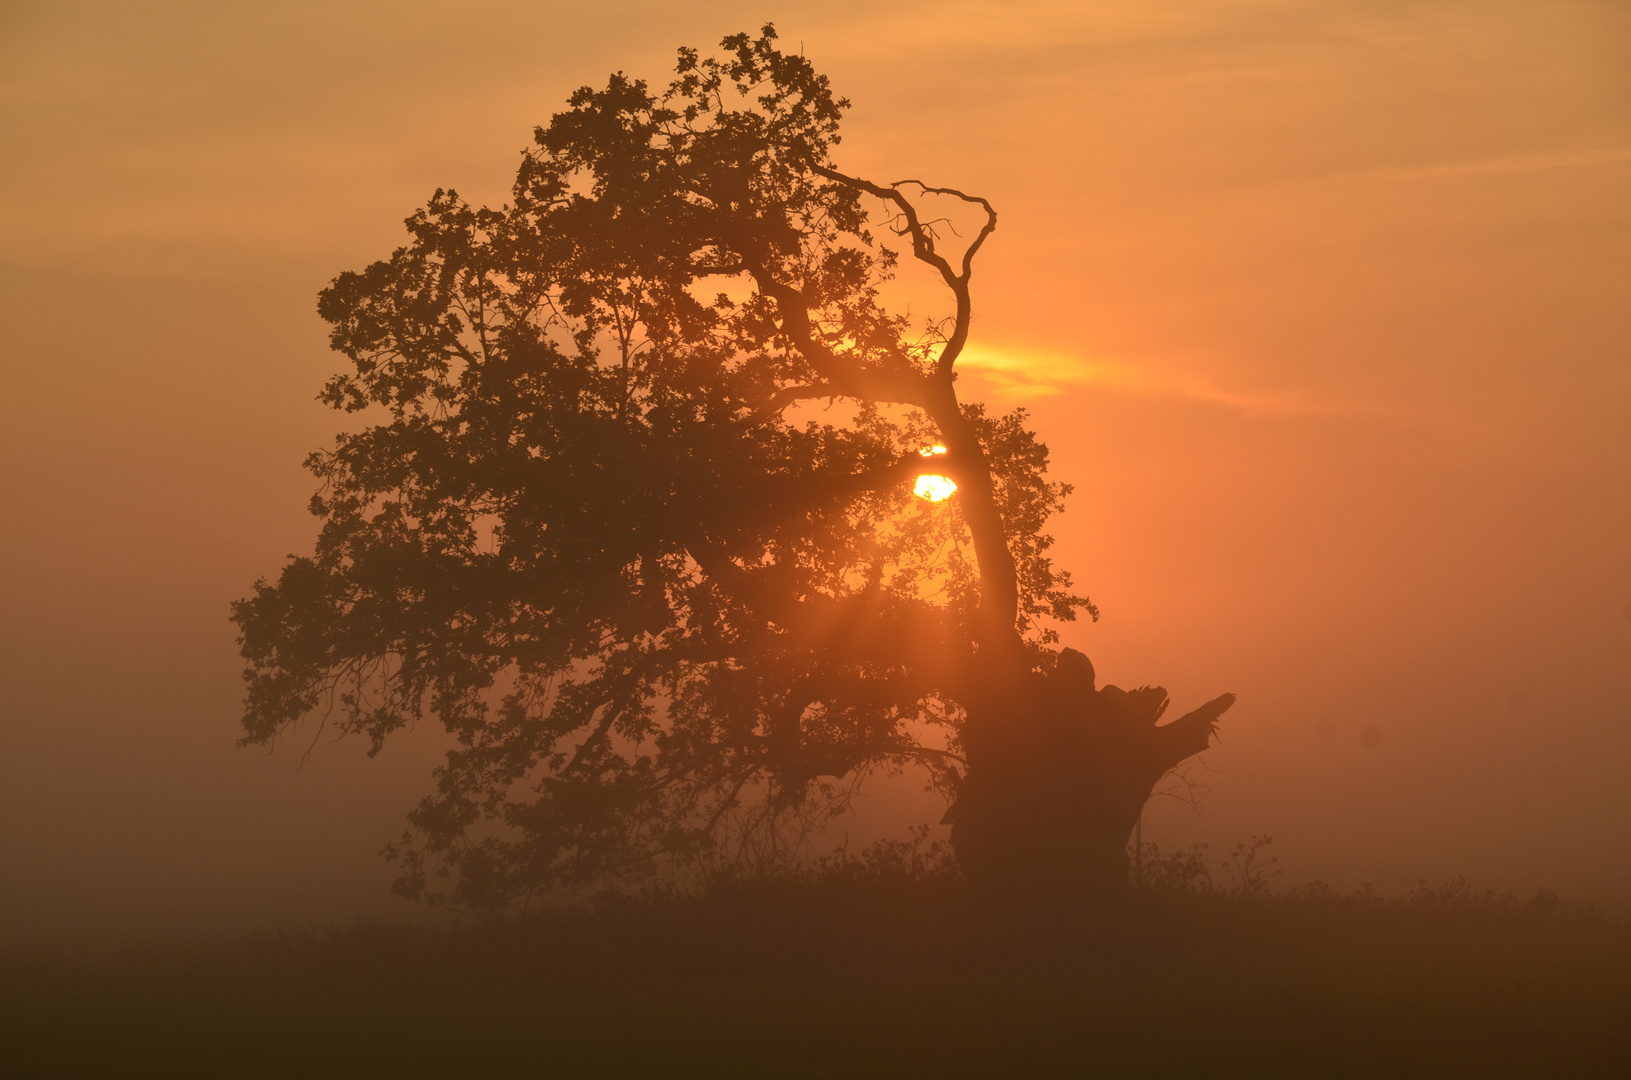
(630, 504)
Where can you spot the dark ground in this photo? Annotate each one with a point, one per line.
(853, 978)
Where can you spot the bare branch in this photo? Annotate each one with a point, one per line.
(924, 250)
(986, 230)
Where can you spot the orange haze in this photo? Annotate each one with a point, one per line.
(1324, 308)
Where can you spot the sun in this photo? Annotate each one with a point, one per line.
(932, 486)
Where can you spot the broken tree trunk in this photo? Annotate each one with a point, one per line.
(1059, 770)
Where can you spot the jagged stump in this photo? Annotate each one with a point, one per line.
(1059, 770)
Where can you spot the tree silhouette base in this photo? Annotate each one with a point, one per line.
(1059, 771)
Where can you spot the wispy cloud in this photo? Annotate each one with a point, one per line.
(1026, 373)
(1018, 373)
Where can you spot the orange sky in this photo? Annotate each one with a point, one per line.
(1325, 308)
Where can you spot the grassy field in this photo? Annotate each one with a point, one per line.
(838, 978)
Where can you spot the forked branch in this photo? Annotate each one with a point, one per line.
(923, 247)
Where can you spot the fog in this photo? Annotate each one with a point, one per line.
(1322, 308)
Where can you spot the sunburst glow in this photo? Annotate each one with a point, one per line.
(934, 488)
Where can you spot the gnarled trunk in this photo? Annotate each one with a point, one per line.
(1058, 769)
(1058, 772)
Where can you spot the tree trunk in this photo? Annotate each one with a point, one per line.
(1058, 772)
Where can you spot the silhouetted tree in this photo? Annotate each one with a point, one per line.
(659, 616)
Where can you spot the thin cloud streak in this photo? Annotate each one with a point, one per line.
(1021, 374)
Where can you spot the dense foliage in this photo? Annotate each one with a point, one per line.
(589, 526)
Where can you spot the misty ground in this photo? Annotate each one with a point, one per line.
(862, 974)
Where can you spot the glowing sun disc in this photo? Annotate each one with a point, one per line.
(934, 488)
